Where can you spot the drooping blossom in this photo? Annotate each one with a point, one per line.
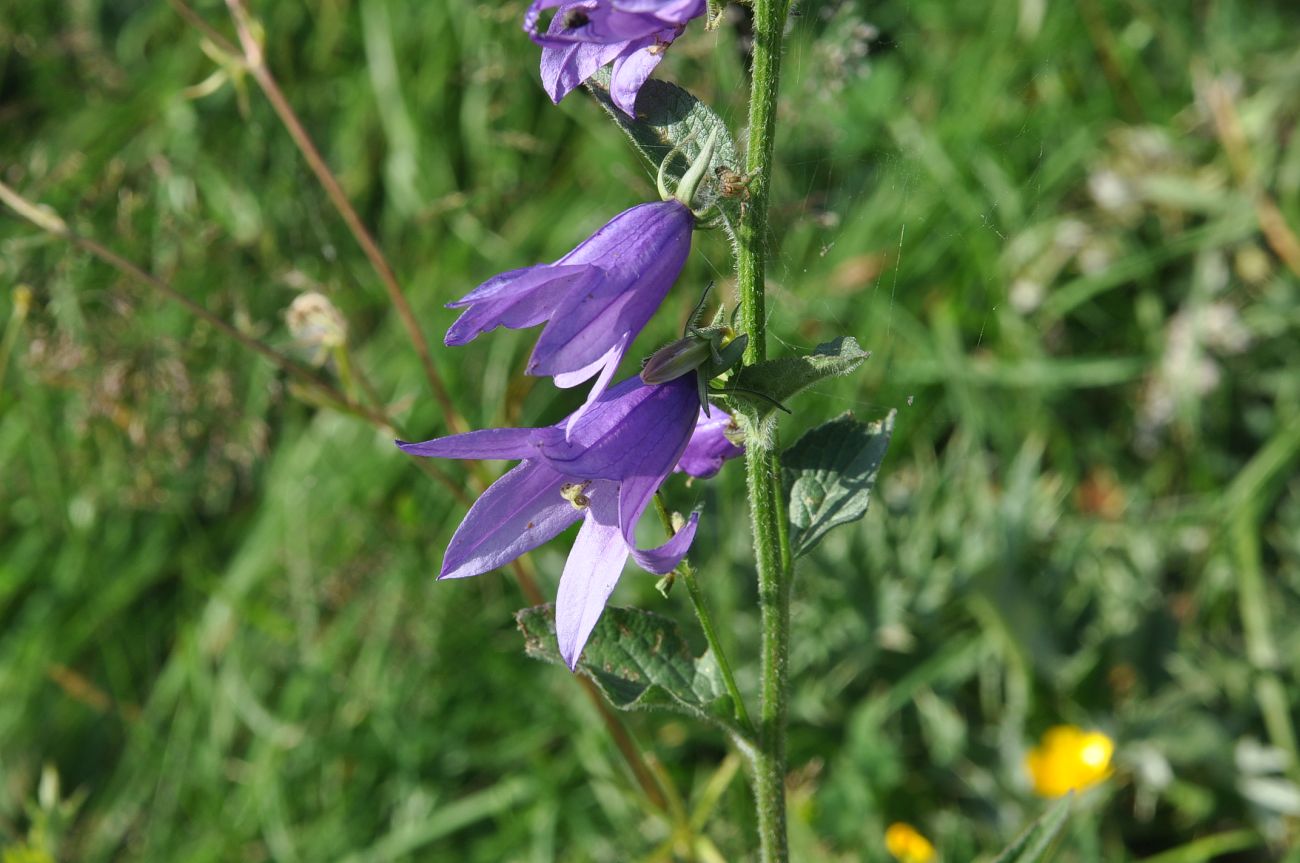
(595, 299)
(588, 34)
(711, 446)
(604, 473)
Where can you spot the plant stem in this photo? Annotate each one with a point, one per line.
(50, 222)
(766, 510)
(255, 62)
(687, 572)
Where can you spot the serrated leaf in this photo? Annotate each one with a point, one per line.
(639, 660)
(1033, 845)
(668, 118)
(777, 381)
(830, 473)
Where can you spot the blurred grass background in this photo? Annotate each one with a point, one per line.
(1061, 227)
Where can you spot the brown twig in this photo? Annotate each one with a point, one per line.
(82, 689)
(252, 57)
(623, 740)
(255, 62)
(196, 21)
(50, 222)
(1232, 137)
(1107, 48)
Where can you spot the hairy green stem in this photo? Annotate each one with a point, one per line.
(766, 506)
(687, 572)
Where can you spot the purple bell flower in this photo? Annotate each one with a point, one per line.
(711, 445)
(604, 473)
(587, 34)
(595, 299)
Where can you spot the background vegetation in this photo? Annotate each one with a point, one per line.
(1061, 227)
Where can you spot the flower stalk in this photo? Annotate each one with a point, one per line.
(766, 507)
(698, 602)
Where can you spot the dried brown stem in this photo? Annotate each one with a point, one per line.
(256, 64)
(623, 740)
(1232, 136)
(196, 21)
(50, 222)
(252, 56)
(1108, 56)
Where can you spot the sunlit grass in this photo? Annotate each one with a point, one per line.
(218, 624)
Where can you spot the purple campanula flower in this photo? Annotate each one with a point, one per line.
(711, 445)
(604, 473)
(595, 299)
(587, 34)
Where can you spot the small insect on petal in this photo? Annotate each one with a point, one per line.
(576, 494)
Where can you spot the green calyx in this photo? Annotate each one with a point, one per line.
(689, 184)
(707, 351)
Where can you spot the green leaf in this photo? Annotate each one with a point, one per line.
(830, 473)
(668, 118)
(776, 381)
(639, 660)
(1033, 845)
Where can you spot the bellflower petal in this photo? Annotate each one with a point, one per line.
(635, 430)
(518, 299)
(566, 65)
(608, 22)
(677, 11)
(590, 574)
(631, 70)
(596, 299)
(666, 557)
(608, 364)
(605, 473)
(653, 242)
(517, 513)
(634, 495)
(585, 35)
(482, 444)
(568, 380)
(649, 248)
(709, 447)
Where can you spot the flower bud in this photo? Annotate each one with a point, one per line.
(689, 353)
(675, 359)
(316, 325)
(690, 181)
(665, 584)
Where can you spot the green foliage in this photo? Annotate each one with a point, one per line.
(1034, 845)
(640, 661)
(217, 611)
(672, 125)
(760, 390)
(830, 473)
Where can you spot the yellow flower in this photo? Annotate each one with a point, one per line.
(1069, 759)
(907, 845)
